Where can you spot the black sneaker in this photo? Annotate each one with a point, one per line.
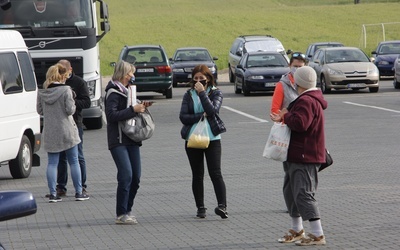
(221, 211)
(54, 199)
(81, 197)
(201, 212)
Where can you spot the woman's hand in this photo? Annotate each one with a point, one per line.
(278, 117)
(139, 108)
(199, 87)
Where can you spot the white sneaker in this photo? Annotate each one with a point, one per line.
(292, 236)
(125, 219)
(311, 240)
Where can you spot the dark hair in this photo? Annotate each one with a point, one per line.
(298, 56)
(205, 71)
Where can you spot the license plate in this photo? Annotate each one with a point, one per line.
(356, 85)
(145, 70)
(270, 84)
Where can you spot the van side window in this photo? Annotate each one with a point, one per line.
(27, 71)
(10, 76)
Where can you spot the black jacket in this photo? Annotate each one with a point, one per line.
(116, 110)
(211, 103)
(82, 98)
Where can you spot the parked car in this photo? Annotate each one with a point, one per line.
(344, 68)
(384, 56)
(396, 70)
(250, 43)
(185, 59)
(259, 71)
(153, 69)
(316, 46)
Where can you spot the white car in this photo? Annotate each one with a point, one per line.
(344, 68)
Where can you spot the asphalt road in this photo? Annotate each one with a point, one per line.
(358, 195)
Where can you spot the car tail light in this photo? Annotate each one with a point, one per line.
(163, 69)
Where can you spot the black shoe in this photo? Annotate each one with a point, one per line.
(201, 212)
(54, 199)
(221, 211)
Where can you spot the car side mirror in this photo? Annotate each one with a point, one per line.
(372, 59)
(15, 204)
(289, 51)
(112, 64)
(239, 53)
(215, 58)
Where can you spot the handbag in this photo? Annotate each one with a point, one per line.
(199, 138)
(328, 161)
(277, 144)
(139, 128)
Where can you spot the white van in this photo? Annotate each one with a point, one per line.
(19, 120)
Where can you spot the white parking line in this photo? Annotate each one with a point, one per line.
(374, 107)
(244, 114)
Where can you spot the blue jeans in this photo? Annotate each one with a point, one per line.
(72, 156)
(127, 160)
(62, 175)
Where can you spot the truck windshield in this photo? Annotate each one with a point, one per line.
(47, 13)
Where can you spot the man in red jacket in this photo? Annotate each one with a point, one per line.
(305, 118)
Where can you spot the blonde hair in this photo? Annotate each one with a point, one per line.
(121, 69)
(56, 73)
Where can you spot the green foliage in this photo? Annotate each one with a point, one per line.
(214, 24)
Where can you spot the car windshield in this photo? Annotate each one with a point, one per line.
(47, 13)
(390, 48)
(263, 45)
(192, 55)
(144, 55)
(264, 60)
(348, 55)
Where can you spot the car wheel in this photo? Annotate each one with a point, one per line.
(396, 84)
(237, 90)
(245, 90)
(323, 86)
(93, 123)
(373, 89)
(168, 93)
(21, 166)
(231, 75)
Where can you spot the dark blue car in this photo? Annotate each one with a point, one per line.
(385, 55)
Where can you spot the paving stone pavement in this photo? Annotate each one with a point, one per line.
(359, 205)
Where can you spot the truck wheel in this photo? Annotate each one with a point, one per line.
(21, 166)
(93, 123)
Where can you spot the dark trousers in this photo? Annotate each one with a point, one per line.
(127, 160)
(62, 170)
(213, 159)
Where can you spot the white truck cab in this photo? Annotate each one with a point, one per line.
(19, 120)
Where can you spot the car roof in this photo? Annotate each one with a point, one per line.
(263, 52)
(144, 46)
(191, 48)
(325, 43)
(386, 42)
(339, 48)
(257, 37)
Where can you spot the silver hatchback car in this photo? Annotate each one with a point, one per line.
(344, 68)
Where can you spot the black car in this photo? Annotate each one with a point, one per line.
(316, 46)
(385, 56)
(259, 71)
(251, 43)
(185, 59)
(153, 69)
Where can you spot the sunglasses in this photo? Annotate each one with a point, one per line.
(297, 55)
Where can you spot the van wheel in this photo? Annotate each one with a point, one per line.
(168, 93)
(93, 123)
(21, 166)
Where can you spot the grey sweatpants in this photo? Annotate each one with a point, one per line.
(299, 187)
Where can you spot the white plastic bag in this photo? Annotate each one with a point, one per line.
(277, 144)
(199, 138)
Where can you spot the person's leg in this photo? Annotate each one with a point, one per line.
(134, 158)
(124, 177)
(196, 161)
(81, 158)
(213, 158)
(72, 156)
(62, 174)
(51, 172)
(287, 192)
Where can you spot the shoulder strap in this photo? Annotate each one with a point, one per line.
(111, 90)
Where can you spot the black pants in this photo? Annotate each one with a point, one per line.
(213, 159)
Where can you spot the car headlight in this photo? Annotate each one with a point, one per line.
(373, 71)
(383, 63)
(256, 77)
(177, 70)
(212, 69)
(334, 72)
